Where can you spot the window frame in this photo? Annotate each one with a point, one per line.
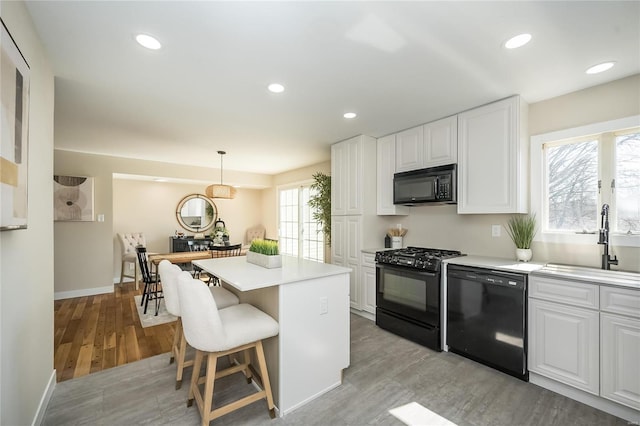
(538, 182)
(301, 228)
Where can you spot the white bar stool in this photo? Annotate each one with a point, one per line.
(215, 333)
(169, 277)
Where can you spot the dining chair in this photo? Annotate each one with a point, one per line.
(151, 281)
(215, 333)
(228, 251)
(169, 274)
(128, 244)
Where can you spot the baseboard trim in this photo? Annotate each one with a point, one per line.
(602, 404)
(83, 292)
(364, 314)
(44, 401)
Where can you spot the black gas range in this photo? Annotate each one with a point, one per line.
(408, 293)
(427, 259)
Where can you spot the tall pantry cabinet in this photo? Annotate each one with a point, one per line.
(353, 212)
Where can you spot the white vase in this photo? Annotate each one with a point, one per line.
(265, 261)
(523, 255)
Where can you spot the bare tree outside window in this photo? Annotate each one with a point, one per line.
(572, 176)
(627, 183)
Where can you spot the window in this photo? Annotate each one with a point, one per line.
(300, 234)
(575, 172)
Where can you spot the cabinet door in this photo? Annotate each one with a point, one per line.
(353, 230)
(441, 142)
(620, 368)
(339, 158)
(409, 150)
(386, 152)
(491, 171)
(338, 240)
(564, 344)
(354, 176)
(368, 283)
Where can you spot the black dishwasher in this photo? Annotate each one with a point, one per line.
(487, 319)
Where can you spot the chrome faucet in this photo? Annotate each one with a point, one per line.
(607, 260)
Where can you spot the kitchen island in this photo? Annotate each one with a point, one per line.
(310, 301)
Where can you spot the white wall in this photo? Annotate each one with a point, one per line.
(86, 253)
(150, 207)
(26, 261)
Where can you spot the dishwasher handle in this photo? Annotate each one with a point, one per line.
(487, 277)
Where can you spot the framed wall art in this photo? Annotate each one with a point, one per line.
(72, 198)
(14, 134)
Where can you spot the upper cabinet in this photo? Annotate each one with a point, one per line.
(441, 142)
(430, 145)
(386, 168)
(409, 149)
(352, 176)
(493, 158)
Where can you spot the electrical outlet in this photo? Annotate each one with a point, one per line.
(495, 230)
(324, 305)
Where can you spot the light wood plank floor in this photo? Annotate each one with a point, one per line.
(386, 372)
(98, 332)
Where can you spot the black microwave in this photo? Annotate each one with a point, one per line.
(430, 185)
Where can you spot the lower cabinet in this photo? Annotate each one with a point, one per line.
(564, 344)
(587, 335)
(368, 283)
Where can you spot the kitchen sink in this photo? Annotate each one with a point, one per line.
(622, 278)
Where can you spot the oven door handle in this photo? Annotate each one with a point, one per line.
(408, 271)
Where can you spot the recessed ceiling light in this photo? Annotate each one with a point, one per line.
(517, 41)
(148, 41)
(276, 88)
(350, 115)
(600, 67)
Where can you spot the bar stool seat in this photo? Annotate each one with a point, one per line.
(169, 274)
(215, 333)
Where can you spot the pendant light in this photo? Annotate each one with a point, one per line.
(221, 191)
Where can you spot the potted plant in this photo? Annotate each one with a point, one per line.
(264, 253)
(522, 229)
(320, 202)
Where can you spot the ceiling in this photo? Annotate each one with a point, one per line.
(396, 64)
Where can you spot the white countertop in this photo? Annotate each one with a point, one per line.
(246, 276)
(496, 263)
(592, 275)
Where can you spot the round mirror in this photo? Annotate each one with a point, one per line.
(196, 213)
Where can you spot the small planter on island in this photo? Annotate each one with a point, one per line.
(264, 253)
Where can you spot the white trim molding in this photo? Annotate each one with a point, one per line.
(83, 292)
(537, 181)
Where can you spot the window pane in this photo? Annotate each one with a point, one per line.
(572, 186)
(627, 190)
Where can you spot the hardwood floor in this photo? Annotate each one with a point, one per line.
(98, 332)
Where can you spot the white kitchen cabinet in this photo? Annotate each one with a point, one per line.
(368, 283)
(432, 144)
(564, 344)
(409, 149)
(347, 180)
(353, 207)
(493, 158)
(345, 250)
(620, 342)
(620, 381)
(441, 142)
(386, 153)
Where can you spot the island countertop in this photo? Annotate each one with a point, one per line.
(245, 276)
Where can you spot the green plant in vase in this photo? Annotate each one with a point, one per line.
(266, 247)
(522, 229)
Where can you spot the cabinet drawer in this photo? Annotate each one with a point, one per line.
(620, 301)
(569, 292)
(369, 259)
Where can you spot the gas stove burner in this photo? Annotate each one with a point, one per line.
(416, 257)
